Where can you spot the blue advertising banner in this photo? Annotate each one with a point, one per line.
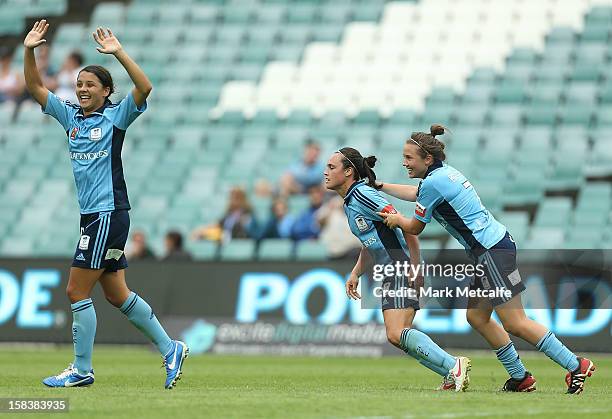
(292, 308)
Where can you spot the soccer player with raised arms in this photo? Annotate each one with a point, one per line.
(446, 195)
(95, 130)
(351, 176)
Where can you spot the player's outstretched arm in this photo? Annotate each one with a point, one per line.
(33, 81)
(403, 192)
(109, 44)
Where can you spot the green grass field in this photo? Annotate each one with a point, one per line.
(129, 383)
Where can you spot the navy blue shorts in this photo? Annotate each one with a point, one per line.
(401, 300)
(102, 242)
(501, 272)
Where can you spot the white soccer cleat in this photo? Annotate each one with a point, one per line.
(460, 373)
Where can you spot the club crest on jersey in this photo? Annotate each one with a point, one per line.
(362, 224)
(74, 133)
(420, 210)
(95, 134)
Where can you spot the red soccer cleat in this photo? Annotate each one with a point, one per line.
(575, 379)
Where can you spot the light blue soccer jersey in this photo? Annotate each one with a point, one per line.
(446, 195)
(94, 145)
(361, 205)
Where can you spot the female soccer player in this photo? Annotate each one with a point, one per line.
(96, 129)
(352, 177)
(450, 198)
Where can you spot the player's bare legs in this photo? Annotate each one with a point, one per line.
(80, 283)
(396, 320)
(115, 289)
(479, 317)
(516, 322)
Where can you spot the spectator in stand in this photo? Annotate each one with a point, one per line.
(174, 248)
(279, 223)
(138, 249)
(305, 173)
(238, 222)
(67, 76)
(11, 82)
(44, 68)
(335, 234)
(306, 225)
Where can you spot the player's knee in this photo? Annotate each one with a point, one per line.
(515, 328)
(394, 336)
(114, 300)
(74, 294)
(476, 320)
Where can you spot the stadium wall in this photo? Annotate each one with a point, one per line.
(291, 308)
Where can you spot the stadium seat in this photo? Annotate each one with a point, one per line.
(203, 250)
(237, 250)
(310, 250)
(275, 249)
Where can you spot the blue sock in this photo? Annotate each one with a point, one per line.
(557, 351)
(141, 315)
(425, 349)
(511, 361)
(427, 364)
(83, 334)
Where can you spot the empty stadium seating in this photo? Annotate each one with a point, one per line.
(247, 82)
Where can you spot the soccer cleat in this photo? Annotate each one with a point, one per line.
(173, 362)
(526, 384)
(448, 383)
(575, 379)
(70, 377)
(460, 373)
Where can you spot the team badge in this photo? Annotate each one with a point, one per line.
(362, 224)
(73, 133)
(95, 134)
(84, 242)
(420, 210)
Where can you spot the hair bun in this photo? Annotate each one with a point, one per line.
(437, 129)
(370, 161)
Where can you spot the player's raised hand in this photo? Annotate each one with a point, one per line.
(107, 41)
(351, 287)
(36, 36)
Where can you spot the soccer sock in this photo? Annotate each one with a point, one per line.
(511, 361)
(140, 314)
(557, 351)
(424, 349)
(427, 364)
(83, 334)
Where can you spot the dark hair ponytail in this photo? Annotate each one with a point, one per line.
(428, 143)
(361, 166)
(103, 75)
